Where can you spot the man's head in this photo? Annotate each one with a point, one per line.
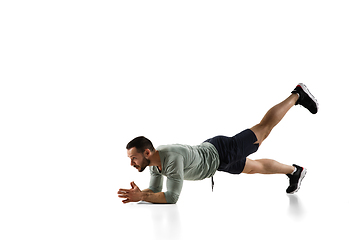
(139, 150)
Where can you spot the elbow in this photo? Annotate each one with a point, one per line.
(171, 197)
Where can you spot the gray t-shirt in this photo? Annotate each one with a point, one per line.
(183, 162)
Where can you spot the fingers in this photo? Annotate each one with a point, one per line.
(133, 185)
(127, 200)
(123, 193)
(123, 190)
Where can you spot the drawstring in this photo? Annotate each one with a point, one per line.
(212, 183)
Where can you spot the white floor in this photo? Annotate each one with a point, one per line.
(257, 211)
(79, 79)
(242, 207)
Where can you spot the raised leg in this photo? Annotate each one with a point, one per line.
(273, 117)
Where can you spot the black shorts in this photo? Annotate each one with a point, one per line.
(234, 150)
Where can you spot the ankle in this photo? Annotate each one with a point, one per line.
(293, 171)
(294, 98)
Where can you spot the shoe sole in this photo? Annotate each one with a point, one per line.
(302, 175)
(306, 90)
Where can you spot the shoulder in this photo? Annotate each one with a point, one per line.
(173, 149)
(172, 157)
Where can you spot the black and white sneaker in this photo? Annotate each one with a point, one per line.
(306, 99)
(295, 179)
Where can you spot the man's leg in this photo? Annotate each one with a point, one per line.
(273, 117)
(269, 166)
(266, 166)
(302, 96)
(262, 131)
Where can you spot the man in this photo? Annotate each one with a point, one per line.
(182, 162)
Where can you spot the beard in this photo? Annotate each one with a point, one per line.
(145, 163)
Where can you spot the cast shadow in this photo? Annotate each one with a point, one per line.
(296, 209)
(165, 219)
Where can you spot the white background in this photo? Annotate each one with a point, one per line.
(79, 79)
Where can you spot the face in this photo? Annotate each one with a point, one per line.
(138, 160)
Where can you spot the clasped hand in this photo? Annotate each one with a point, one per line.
(131, 195)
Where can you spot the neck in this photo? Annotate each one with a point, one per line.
(155, 159)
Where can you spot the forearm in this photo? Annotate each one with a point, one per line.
(150, 196)
(147, 190)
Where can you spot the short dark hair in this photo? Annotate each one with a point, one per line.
(141, 144)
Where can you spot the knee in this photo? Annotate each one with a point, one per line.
(265, 129)
(261, 131)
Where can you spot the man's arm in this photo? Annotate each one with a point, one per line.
(134, 195)
(150, 196)
(153, 197)
(174, 183)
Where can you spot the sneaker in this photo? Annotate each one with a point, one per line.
(295, 179)
(306, 99)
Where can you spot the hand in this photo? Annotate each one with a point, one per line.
(131, 195)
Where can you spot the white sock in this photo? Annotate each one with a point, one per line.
(294, 171)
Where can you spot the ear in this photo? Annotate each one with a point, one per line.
(147, 152)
